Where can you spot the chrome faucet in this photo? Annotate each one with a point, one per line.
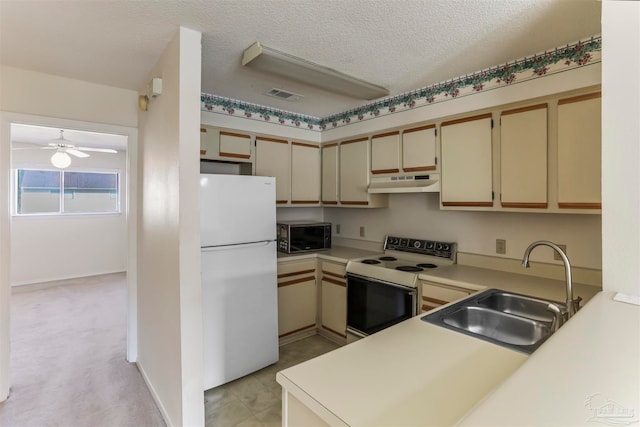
(572, 304)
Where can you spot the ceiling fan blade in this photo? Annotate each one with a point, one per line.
(76, 153)
(98, 150)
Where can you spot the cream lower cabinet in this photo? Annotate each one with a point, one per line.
(297, 298)
(273, 158)
(467, 169)
(523, 157)
(434, 295)
(333, 291)
(579, 152)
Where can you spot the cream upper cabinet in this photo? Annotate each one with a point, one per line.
(235, 145)
(354, 172)
(466, 153)
(273, 158)
(579, 159)
(419, 149)
(354, 175)
(385, 153)
(216, 144)
(330, 174)
(305, 173)
(523, 157)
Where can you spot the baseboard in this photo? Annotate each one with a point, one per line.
(27, 287)
(53, 280)
(154, 395)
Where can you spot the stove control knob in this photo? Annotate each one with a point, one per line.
(429, 245)
(439, 246)
(445, 247)
(416, 244)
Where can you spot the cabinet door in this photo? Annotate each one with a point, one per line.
(273, 159)
(305, 173)
(235, 145)
(296, 305)
(203, 142)
(523, 157)
(385, 153)
(334, 305)
(354, 172)
(466, 162)
(579, 159)
(330, 174)
(419, 149)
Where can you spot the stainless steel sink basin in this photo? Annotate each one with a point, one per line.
(511, 320)
(519, 305)
(497, 325)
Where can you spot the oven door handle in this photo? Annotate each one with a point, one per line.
(410, 289)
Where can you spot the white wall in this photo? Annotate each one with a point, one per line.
(475, 232)
(621, 146)
(169, 290)
(41, 99)
(54, 247)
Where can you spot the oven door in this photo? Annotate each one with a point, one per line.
(373, 305)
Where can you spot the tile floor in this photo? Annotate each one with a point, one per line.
(256, 400)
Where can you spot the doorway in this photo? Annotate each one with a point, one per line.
(12, 130)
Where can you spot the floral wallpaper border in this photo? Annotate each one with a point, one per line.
(561, 59)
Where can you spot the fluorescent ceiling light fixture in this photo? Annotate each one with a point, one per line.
(270, 60)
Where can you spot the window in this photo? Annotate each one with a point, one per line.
(60, 192)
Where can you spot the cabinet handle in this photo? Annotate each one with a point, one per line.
(335, 282)
(296, 273)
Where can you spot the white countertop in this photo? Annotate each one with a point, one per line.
(414, 373)
(336, 253)
(586, 373)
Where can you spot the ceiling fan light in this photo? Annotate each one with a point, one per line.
(60, 159)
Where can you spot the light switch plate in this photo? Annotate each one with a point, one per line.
(501, 246)
(361, 231)
(337, 228)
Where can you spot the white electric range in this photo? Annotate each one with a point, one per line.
(382, 289)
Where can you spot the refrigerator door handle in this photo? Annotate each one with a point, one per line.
(237, 246)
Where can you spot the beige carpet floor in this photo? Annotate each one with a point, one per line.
(68, 366)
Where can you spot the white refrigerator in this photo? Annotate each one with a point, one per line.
(239, 279)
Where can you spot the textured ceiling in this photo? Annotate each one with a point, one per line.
(400, 44)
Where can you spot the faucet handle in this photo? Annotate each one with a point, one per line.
(576, 304)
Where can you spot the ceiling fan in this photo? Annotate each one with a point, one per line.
(64, 147)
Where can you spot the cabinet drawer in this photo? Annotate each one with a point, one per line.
(333, 269)
(435, 295)
(291, 269)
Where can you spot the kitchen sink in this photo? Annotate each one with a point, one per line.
(515, 321)
(497, 325)
(519, 305)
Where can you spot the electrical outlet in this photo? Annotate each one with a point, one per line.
(556, 255)
(337, 228)
(501, 246)
(361, 231)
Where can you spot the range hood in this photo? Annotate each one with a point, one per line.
(406, 184)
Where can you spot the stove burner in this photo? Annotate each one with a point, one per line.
(426, 265)
(370, 261)
(410, 268)
(387, 258)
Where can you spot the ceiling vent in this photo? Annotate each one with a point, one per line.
(283, 94)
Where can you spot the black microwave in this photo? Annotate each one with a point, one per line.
(303, 236)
